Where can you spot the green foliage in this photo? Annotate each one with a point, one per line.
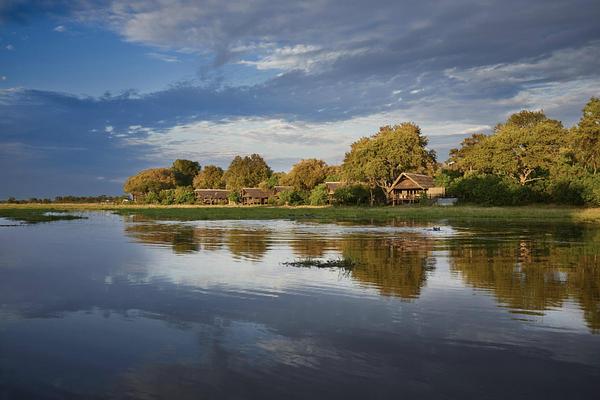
(381, 158)
(152, 198)
(179, 195)
(275, 179)
(319, 195)
(525, 119)
(184, 195)
(234, 197)
(150, 180)
(307, 174)
(525, 148)
(491, 190)
(185, 171)
(352, 195)
(469, 156)
(424, 199)
(293, 197)
(211, 177)
(334, 173)
(444, 178)
(246, 171)
(587, 136)
(167, 197)
(526, 153)
(591, 189)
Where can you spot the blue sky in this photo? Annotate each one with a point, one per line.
(91, 91)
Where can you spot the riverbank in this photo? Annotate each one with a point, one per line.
(37, 212)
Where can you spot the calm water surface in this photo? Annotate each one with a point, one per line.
(121, 307)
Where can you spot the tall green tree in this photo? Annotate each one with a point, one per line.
(150, 180)
(246, 171)
(185, 171)
(526, 146)
(306, 174)
(587, 136)
(381, 158)
(276, 178)
(469, 157)
(211, 177)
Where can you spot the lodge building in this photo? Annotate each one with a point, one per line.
(212, 196)
(409, 188)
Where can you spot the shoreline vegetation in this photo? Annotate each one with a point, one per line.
(527, 159)
(31, 213)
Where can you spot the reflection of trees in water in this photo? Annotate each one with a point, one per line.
(248, 244)
(533, 275)
(179, 237)
(396, 267)
(311, 247)
(242, 243)
(528, 274)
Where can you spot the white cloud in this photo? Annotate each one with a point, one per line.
(60, 28)
(277, 138)
(109, 129)
(3, 78)
(299, 57)
(9, 47)
(163, 57)
(559, 65)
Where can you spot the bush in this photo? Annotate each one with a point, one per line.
(234, 197)
(590, 185)
(272, 201)
(424, 200)
(319, 196)
(292, 197)
(184, 195)
(151, 198)
(491, 190)
(565, 192)
(352, 195)
(167, 197)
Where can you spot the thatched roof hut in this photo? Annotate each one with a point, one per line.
(410, 187)
(212, 196)
(254, 196)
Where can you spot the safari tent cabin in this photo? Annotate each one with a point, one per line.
(212, 196)
(254, 196)
(409, 187)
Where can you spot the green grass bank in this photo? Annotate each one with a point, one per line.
(37, 212)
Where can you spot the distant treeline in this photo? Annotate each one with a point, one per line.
(68, 199)
(529, 158)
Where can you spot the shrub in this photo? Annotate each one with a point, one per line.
(184, 195)
(565, 192)
(151, 198)
(234, 197)
(491, 190)
(167, 197)
(319, 196)
(352, 195)
(292, 197)
(591, 189)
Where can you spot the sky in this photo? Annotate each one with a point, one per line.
(92, 91)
